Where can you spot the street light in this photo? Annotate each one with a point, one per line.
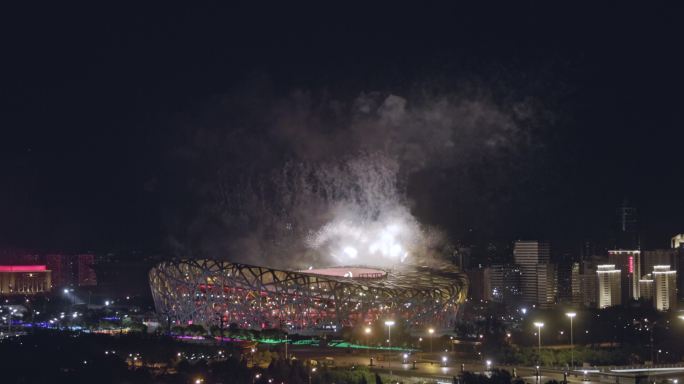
(389, 324)
(444, 361)
(489, 365)
(539, 326)
(571, 315)
(367, 331)
(431, 331)
(312, 371)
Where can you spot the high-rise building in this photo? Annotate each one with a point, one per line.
(547, 285)
(505, 283)
(569, 288)
(575, 284)
(480, 287)
(646, 287)
(62, 269)
(627, 230)
(529, 255)
(72, 270)
(678, 241)
(664, 287)
(587, 281)
(628, 261)
(608, 286)
(85, 271)
(660, 257)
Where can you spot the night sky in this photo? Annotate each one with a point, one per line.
(98, 100)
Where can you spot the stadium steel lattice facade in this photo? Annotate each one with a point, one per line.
(201, 291)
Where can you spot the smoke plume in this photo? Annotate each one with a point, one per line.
(311, 179)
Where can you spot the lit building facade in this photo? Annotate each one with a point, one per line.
(655, 257)
(628, 261)
(533, 257)
(664, 288)
(24, 279)
(678, 241)
(547, 285)
(575, 284)
(608, 284)
(646, 287)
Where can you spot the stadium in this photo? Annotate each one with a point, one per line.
(207, 292)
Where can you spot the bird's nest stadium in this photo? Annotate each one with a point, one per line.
(209, 291)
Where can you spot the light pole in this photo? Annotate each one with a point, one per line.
(431, 331)
(367, 331)
(312, 371)
(389, 324)
(539, 326)
(571, 315)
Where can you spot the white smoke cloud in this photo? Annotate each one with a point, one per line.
(330, 186)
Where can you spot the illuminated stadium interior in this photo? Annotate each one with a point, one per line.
(203, 291)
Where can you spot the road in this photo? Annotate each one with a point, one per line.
(427, 366)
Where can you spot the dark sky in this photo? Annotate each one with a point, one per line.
(90, 95)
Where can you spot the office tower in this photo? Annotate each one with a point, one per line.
(480, 284)
(568, 283)
(62, 269)
(569, 290)
(71, 270)
(505, 282)
(664, 287)
(588, 287)
(626, 231)
(529, 255)
(575, 284)
(677, 244)
(85, 271)
(660, 257)
(646, 287)
(628, 261)
(608, 285)
(547, 285)
(677, 241)
(462, 256)
(587, 280)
